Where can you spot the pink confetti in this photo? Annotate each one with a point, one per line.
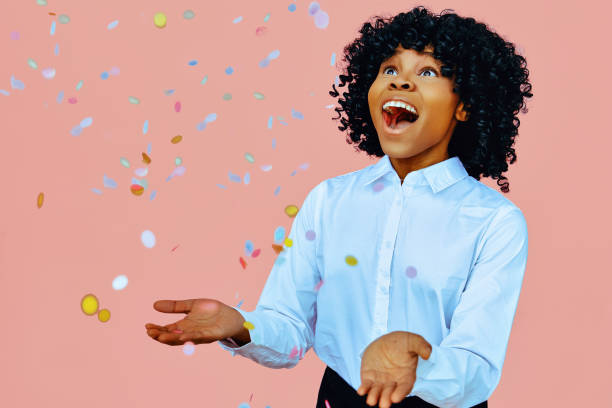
(72, 100)
(261, 30)
(294, 352)
(177, 107)
(174, 248)
(256, 252)
(327, 404)
(251, 399)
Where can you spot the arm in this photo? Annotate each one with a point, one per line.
(285, 316)
(466, 367)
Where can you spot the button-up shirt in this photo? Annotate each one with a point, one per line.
(439, 254)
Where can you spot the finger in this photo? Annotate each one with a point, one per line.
(401, 391)
(173, 306)
(373, 394)
(171, 339)
(385, 396)
(365, 386)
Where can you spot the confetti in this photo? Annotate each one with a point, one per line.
(114, 71)
(188, 14)
(177, 107)
(294, 352)
(86, 122)
(40, 200)
(411, 272)
(261, 30)
(134, 100)
(321, 19)
(41, 2)
(14, 35)
(318, 285)
(60, 97)
(141, 172)
(248, 325)
(256, 253)
(76, 131)
(351, 260)
(292, 7)
(229, 70)
(204, 80)
(137, 189)
(112, 24)
(32, 63)
(227, 96)
(237, 20)
(52, 32)
(104, 315)
(279, 234)
(288, 242)
(159, 20)
(17, 84)
(104, 75)
(277, 248)
(313, 8)
(248, 247)
(310, 235)
(148, 239)
(48, 73)
(266, 167)
(266, 18)
(145, 127)
(109, 182)
(296, 114)
(327, 404)
(124, 162)
(145, 158)
(120, 282)
(193, 62)
(79, 85)
(89, 304)
(188, 348)
(63, 19)
(178, 161)
(72, 100)
(234, 177)
(243, 263)
(291, 210)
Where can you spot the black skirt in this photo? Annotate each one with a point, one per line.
(340, 394)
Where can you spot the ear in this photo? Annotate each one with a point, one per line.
(461, 114)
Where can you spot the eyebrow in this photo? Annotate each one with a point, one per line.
(430, 54)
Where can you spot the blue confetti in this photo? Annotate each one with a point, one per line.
(112, 25)
(109, 182)
(229, 70)
(104, 75)
(201, 126)
(273, 55)
(248, 247)
(274, 143)
(237, 19)
(153, 194)
(264, 63)
(56, 51)
(293, 173)
(86, 122)
(270, 119)
(333, 59)
(145, 127)
(279, 234)
(193, 62)
(95, 190)
(17, 84)
(211, 117)
(60, 97)
(239, 304)
(76, 130)
(277, 190)
(52, 28)
(149, 148)
(234, 177)
(283, 123)
(292, 7)
(3, 92)
(296, 114)
(169, 91)
(221, 186)
(247, 178)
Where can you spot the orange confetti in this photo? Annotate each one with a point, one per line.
(51, 13)
(277, 248)
(176, 139)
(137, 189)
(243, 263)
(145, 158)
(41, 198)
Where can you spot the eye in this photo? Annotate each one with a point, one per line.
(423, 70)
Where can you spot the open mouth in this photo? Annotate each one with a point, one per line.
(397, 118)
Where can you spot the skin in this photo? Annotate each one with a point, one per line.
(388, 367)
(425, 142)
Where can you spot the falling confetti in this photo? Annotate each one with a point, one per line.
(243, 263)
(141, 172)
(159, 20)
(112, 25)
(256, 253)
(124, 162)
(145, 158)
(313, 8)
(148, 239)
(16, 83)
(134, 100)
(229, 70)
(109, 182)
(86, 122)
(76, 131)
(279, 234)
(177, 106)
(411, 272)
(40, 200)
(188, 14)
(291, 210)
(261, 30)
(237, 20)
(188, 348)
(32, 63)
(248, 325)
(351, 260)
(63, 19)
(145, 127)
(310, 235)
(104, 315)
(258, 95)
(89, 304)
(120, 282)
(249, 157)
(193, 62)
(137, 189)
(288, 242)
(292, 7)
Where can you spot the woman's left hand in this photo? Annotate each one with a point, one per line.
(388, 367)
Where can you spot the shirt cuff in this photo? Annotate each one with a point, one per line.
(425, 366)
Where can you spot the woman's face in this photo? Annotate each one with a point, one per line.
(415, 78)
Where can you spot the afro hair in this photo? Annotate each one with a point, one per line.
(491, 80)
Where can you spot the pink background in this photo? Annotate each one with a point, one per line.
(53, 355)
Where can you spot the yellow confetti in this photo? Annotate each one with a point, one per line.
(41, 198)
(104, 315)
(89, 304)
(145, 158)
(160, 20)
(288, 242)
(291, 210)
(351, 260)
(248, 325)
(176, 139)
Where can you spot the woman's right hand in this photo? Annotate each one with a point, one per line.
(207, 320)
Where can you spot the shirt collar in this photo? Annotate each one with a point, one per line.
(438, 176)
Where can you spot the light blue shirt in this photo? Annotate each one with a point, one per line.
(441, 255)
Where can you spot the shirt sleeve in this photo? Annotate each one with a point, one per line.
(466, 367)
(284, 318)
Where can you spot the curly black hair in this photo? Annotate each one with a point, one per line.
(491, 80)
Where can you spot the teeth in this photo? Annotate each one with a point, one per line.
(399, 104)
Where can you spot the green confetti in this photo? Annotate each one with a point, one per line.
(267, 17)
(79, 85)
(32, 63)
(178, 161)
(41, 2)
(227, 96)
(258, 95)
(63, 19)
(249, 157)
(134, 100)
(204, 80)
(188, 14)
(124, 162)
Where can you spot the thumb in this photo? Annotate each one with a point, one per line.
(425, 349)
(173, 306)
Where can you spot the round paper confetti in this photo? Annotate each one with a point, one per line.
(104, 315)
(86, 122)
(112, 25)
(248, 325)
(137, 189)
(310, 235)
(321, 19)
(288, 242)
(188, 14)
(351, 260)
(63, 19)
(291, 210)
(279, 234)
(89, 304)
(229, 70)
(48, 73)
(176, 139)
(313, 8)
(148, 239)
(188, 348)
(258, 95)
(411, 272)
(292, 7)
(104, 75)
(178, 161)
(114, 71)
(40, 199)
(177, 106)
(227, 96)
(160, 20)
